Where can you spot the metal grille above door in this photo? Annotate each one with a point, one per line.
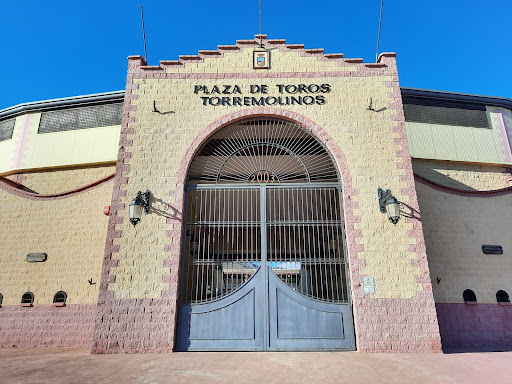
(262, 150)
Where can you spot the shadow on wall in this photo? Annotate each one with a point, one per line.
(474, 349)
(447, 180)
(161, 208)
(479, 327)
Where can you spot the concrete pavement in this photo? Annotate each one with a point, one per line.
(69, 366)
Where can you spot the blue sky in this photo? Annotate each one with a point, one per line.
(57, 49)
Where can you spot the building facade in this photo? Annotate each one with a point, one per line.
(263, 228)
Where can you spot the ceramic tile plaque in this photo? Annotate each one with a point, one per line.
(368, 284)
(261, 59)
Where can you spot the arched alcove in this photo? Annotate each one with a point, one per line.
(264, 229)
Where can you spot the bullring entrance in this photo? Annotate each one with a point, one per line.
(263, 263)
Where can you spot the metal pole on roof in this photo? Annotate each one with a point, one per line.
(261, 44)
(380, 23)
(144, 35)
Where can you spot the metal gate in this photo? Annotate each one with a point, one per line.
(264, 269)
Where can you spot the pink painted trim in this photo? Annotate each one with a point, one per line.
(278, 43)
(295, 46)
(209, 52)
(7, 186)
(170, 62)
(503, 133)
(21, 141)
(462, 192)
(47, 326)
(316, 51)
(360, 72)
(190, 57)
(386, 55)
(137, 57)
(247, 42)
(104, 339)
(228, 47)
(423, 304)
(354, 60)
(151, 67)
(334, 55)
(375, 65)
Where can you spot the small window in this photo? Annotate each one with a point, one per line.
(502, 297)
(1, 299)
(469, 296)
(27, 298)
(60, 297)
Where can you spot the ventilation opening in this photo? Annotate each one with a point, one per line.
(445, 113)
(469, 296)
(60, 297)
(6, 129)
(1, 299)
(81, 118)
(502, 297)
(27, 299)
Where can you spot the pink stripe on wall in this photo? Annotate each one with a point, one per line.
(499, 121)
(22, 135)
(479, 327)
(47, 326)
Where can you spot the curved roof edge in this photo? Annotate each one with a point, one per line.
(65, 102)
(115, 96)
(454, 96)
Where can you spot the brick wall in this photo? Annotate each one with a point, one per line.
(71, 229)
(139, 286)
(456, 224)
(455, 229)
(480, 327)
(47, 326)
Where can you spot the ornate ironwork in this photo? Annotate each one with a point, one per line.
(286, 151)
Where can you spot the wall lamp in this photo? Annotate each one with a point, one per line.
(140, 202)
(389, 204)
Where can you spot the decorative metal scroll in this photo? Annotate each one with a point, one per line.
(262, 150)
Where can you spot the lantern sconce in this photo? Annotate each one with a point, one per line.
(140, 202)
(389, 204)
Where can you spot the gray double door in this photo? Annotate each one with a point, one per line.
(264, 269)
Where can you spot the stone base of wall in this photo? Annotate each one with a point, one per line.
(134, 326)
(478, 327)
(47, 326)
(396, 325)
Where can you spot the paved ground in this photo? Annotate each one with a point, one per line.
(68, 366)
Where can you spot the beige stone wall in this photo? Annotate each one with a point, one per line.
(367, 139)
(463, 176)
(71, 230)
(455, 229)
(63, 180)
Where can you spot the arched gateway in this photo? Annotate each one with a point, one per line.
(263, 264)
